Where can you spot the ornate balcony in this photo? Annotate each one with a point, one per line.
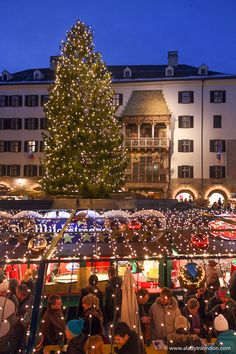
(147, 143)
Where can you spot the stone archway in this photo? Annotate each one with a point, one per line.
(217, 196)
(185, 195)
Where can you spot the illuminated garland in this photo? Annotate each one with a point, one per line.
(187, 280)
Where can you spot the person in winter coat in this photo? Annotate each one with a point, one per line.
(28, 280)
(222, 304)
(212, 277)
(92, 288)
(202, 295)
(93, 318)
(162, 314)
(53, 325)
(113, 300)
(226, 339)
(128, 340)
(191, 312)
(182, 339)
(76, 339)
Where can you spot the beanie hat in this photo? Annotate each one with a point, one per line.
(4, 285)
(221, 324)
(181, 322)
(75, 326)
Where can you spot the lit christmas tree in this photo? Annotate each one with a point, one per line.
(83, 151)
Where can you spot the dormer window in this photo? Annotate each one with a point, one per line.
(6, 76)
(127, 73)
(203, 70)
(169, 70)
(38, 75)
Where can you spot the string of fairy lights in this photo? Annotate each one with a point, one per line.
(179, 227)
(84, 146)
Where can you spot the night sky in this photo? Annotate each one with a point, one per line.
(125, 31)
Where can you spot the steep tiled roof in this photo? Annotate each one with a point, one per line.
(146, 103)
(138, 72)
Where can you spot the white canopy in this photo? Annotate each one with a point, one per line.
(27, 214)
(57, 214)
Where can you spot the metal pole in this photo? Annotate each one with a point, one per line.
(36, 306)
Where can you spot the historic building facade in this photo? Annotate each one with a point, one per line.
(178, 123)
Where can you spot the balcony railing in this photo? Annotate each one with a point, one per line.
(147, 143)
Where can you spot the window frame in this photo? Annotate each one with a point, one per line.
(184, 123)
(185, 97)
(185, 171)
(217, 172)
(218, 96)
(185, 145)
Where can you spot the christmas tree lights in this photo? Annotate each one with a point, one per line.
(83, 151)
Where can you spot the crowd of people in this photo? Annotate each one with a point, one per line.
(202, 314)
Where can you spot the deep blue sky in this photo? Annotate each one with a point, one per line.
(125, 31)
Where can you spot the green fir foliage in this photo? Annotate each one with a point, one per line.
(83, 151)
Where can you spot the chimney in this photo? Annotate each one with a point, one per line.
(173, 58)
(53, 62)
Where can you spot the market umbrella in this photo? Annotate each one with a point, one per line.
(129, 306)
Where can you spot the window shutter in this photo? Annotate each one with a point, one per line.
(34, 171)
(19, 123)
(25, 170)
(36, 123)
(9, 101)
(191, 96)
(179, 171)
(223, 96)
(26, 146)
(41, 146)
(26, 100)
(41, 100)
(211, 171)
(180, 146)
(223, 171)
(37, 100)
(179, 97)
(36, 146)
(8, 123)
(7, 146)
(223, 145)
(19, 146)
(120, 99)
(191, 121)
(26, 123)
(8, 170)
(211, 96)
(180, 122)
(6, 101)
(4, 170)
(20, 101)
(211, 145)
(191, 145)
(191, 171)
(18, 170)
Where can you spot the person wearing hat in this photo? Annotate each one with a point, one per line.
(212, 277)
(226, 339)
(222, 304)
(75, 337)
(13, 283)
(182, 339)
